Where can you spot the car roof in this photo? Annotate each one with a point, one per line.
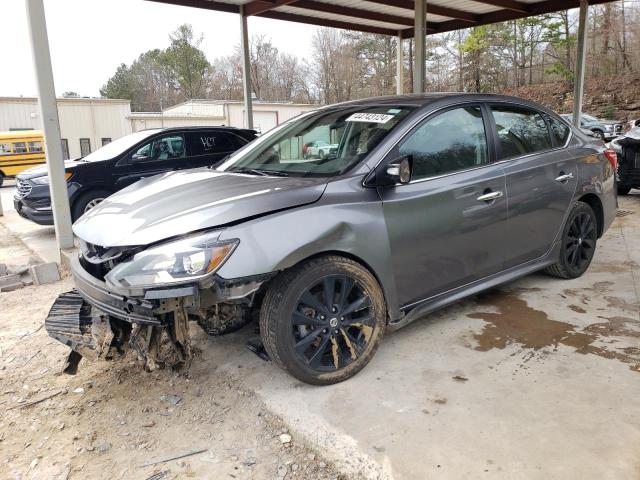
(424, 99)
(201, 127)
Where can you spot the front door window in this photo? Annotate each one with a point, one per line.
(169, 147)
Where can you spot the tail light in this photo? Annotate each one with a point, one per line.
(612, 157)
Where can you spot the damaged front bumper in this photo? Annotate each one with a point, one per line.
(96, 322)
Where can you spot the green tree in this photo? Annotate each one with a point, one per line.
(187, 63)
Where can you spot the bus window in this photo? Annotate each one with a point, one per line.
(35, 147)
(5, 149)
(19, 147)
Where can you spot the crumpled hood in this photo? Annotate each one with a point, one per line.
(176, 203)
(41, 170)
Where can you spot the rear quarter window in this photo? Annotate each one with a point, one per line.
(207, 143)
(559, 131)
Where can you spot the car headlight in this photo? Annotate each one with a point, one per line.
(44, 180)
(185, 260)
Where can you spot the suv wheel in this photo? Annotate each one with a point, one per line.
(579, 239)
(322, 321)
(598, 134)
(86, 202)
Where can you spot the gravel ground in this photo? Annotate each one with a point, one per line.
(112, 418)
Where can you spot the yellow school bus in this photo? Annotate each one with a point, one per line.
(20, 150)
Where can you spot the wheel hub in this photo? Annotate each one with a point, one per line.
(333, 322)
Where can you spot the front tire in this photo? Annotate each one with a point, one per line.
(579, 238)
(598, 134)
(86, 202)
(322, 321)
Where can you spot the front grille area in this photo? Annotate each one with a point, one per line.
(23, 187)
(98, 261)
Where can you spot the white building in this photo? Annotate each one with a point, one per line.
(88, 123)
(85, 123)
(266, 115)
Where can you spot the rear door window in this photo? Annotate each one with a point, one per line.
(208, 143)
(452, 141)
(521, 131)
(559, 131)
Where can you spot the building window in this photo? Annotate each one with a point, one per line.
(65, 148)
(106, 140)
(35, 147)
(85, 147)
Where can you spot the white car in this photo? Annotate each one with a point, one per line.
(319, 149)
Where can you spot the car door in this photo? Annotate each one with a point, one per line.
(541, 178)
(207, 147)
(446, 227)
(162, 153)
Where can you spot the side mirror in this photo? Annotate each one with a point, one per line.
(398, 171)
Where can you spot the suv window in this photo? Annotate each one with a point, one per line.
(559, 131)
(168, 147)
(453, 140)
(204, 143)
(521, 131)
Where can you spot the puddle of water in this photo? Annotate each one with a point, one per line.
(515, 322)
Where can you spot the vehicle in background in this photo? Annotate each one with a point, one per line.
(603, 129)
(631, 124)
(427, 200)
(627, 148)
(318, 149)
(19, 151)
(124, 161)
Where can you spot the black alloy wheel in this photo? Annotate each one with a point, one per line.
(332, 323)
(579, 239)
(323, 319)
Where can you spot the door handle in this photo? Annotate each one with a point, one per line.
(564, 177)
(488, 197)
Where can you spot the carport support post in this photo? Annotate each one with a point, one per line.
(399, 66)
(50, 123)
(578, 89)
(246, 70)
(419, 33)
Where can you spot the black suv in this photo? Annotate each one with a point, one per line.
(124, 161)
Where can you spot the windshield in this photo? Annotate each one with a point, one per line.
(118, 146)
(323, 144)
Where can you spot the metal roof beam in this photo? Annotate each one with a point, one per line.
(507, 5)
(323, 22)
(259, 6)
(205, 4)
(352, 12)
(434, 9)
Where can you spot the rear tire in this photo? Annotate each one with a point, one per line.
(86, 201)
(623, 190)
(323, 338)
(598, 134)
(579, 238)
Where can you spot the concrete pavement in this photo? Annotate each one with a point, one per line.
(538, 379)
(40, 239)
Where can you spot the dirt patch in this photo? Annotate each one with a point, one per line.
(112, 418)
(515, 322)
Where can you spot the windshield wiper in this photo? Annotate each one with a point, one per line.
(262, 173)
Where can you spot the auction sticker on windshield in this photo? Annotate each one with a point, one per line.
(370, 117)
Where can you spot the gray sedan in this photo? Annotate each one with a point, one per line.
(425, 200)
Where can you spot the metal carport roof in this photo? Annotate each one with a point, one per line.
(387, 17)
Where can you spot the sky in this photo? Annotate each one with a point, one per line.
(90, 38)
